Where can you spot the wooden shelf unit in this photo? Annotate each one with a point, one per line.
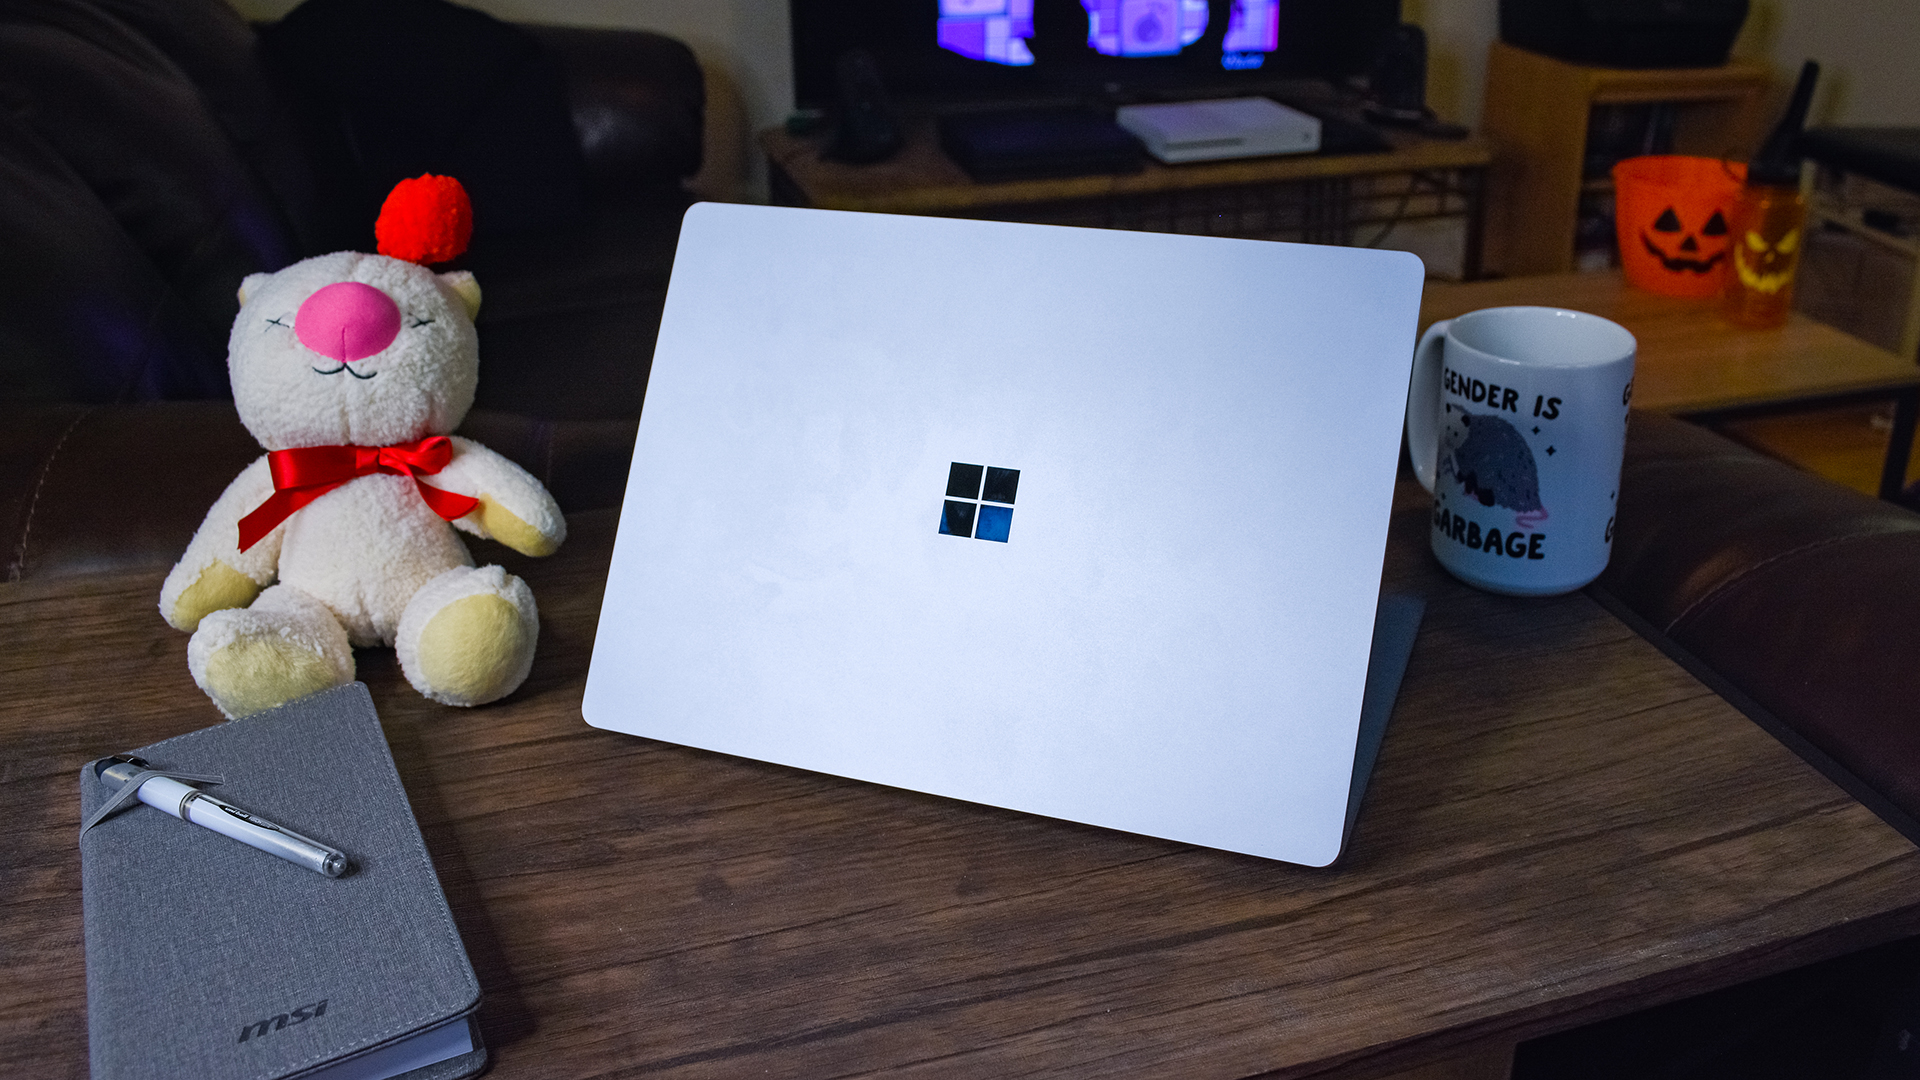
(1536, 121)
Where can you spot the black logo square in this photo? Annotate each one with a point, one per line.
(957, 519)
(1001, 484)
(963, 481)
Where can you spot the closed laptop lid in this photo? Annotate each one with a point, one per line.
(1079, 522)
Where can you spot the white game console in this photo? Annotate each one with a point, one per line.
(1219, 129)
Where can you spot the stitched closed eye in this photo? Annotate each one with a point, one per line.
(275, 321)
(417, 321)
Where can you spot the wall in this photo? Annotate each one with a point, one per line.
(1457, 35)
(1865, 49)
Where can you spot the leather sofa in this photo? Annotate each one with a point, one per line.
(152, 155)
(154, 152)
(1790, 596)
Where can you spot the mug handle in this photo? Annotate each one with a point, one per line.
(1422, 392)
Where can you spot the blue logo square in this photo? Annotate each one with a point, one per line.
(995, 523)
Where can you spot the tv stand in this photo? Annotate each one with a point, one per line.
(1324, 198)
(1033, 144)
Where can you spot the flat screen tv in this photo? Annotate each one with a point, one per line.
(956, 54)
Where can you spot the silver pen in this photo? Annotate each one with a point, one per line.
(190, 804)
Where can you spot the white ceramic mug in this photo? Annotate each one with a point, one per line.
(1516, 421)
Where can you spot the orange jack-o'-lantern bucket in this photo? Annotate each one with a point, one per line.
(1672, 213)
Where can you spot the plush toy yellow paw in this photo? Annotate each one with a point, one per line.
(217, 588)
(285, 646)
(467, 637)
(505, 526)
(253, 674)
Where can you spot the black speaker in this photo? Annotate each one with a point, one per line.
(1397, 81)
(868, 130)
(1397, 87)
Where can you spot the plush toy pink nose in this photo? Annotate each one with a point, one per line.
(347, 321)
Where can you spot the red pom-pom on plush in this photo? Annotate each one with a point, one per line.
(426, 220)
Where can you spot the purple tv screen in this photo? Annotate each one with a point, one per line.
(972, 53)
(998, 31)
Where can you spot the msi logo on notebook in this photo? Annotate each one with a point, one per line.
(274, 1023)
(979, 502)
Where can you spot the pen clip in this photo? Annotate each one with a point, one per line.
(130, 787)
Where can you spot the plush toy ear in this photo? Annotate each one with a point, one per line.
(462, 283)
(251, 284)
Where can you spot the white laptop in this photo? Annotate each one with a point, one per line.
(1078, 522)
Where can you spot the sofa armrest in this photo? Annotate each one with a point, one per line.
(638, 103)
(1788, 594)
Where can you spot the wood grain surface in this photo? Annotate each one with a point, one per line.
(1563, 826)
(1691, 360)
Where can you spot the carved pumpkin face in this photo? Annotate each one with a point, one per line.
(1674, 216)
(1764, 267)
(1682, 250)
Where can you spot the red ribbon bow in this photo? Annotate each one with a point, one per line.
(304, 474)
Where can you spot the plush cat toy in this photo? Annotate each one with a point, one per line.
(353, 370)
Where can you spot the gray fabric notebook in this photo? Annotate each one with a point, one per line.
(208, 958)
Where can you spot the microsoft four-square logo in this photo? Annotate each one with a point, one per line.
(979, 502)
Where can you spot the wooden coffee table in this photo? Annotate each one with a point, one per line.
(1563, 826)
(1694, 364)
